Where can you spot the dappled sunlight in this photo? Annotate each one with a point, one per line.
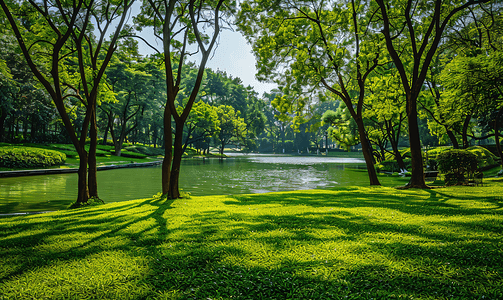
(408, 243)
(108, 274)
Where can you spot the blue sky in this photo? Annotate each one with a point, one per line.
(233, 55)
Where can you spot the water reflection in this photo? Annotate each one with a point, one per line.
(236, 175)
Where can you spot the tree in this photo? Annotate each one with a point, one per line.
(317, 44)
(342, 128)
(130, 83)
(476, 82)
(386, 109)
(476, 35)
(413, 31)
(232, 128)
(180, 26)
(202, 124)
(58, 37)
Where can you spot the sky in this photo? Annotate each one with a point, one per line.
(233, 55)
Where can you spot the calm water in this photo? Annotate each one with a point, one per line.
(235, 175)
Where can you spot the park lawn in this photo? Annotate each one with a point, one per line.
(350, 243)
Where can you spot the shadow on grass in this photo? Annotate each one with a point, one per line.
(14, 207)
(214, 253)
(79, 222)
(428, 202)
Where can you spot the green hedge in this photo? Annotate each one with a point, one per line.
(484, 157)
(392, 165)
(133, 154)
(149, 151)
(29, 157)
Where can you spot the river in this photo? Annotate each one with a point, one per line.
(239, 174)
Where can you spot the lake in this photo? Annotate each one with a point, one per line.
(238, 174)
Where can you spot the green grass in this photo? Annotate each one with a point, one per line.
(351, 243)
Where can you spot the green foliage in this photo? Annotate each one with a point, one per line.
(343, 129)
(455, 164)
(93, 201)
(354, 243)
(29, 157)
(133, 155)
(391, 165)
(146, 150)
(484, 157)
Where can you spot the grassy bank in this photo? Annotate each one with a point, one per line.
(352, 243)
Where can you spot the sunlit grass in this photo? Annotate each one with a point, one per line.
(351, 243)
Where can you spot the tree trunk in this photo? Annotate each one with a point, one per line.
(107, 128)
(453, 139)
(222, 146)
(417, 178)
(464, 133)
(496, 134)
(168, 141)
(174, 192)
(93, 170)
(367, 153)
(394, 144)
(3, 117)
(83, 192)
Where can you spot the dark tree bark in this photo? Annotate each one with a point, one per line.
(393, 138)
(496, 134)
(3, 117)
(464, 132)
(423, 47)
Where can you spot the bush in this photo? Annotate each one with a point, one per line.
(391, 165)
(28, 157)
(69, 150)
(149, 151)
(133, 155)
(455, 163)
(484, 156)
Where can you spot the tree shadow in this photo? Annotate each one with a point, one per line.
(211, 253)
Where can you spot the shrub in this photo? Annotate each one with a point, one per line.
(391, 165)
(455, 163)
(133, 155)
(484, 156)
(106, 148)
(149, 151)
(28, 157)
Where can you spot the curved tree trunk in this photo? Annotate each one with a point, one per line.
(367, 153)
(394, 143)
(464, 134)
(453, 139)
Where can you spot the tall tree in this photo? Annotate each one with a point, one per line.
(413, 31)
(57, 40)
(183, 27)
(321, 44)
(231, 127)
(131, 85)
